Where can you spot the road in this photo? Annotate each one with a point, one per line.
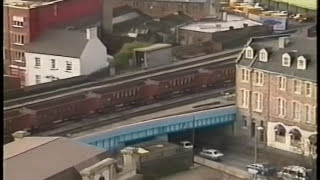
(199, 172)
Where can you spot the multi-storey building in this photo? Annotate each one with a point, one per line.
(159, 8)
(276, 89)
(25, 20)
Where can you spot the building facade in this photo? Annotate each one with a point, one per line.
(276, 89)
(24, 21)
(79, 53)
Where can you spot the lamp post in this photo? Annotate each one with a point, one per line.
(258, 129)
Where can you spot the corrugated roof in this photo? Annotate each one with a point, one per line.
(47, 158)
(153, 47)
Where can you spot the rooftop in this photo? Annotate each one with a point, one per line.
(217, 26)
(46, 157)
(59, 42)
(308, 49)
(29, 4)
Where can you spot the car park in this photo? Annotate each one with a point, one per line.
(261, 169)
(186, 144)
(294, 173)
(211, 154)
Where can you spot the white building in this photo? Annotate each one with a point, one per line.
(63, 53)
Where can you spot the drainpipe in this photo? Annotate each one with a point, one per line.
(193, 130)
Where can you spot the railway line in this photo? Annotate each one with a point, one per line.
(91, 123)
(200, 62)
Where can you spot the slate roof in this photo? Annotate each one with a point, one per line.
(59, 42)
(39, 158)
(300, 43)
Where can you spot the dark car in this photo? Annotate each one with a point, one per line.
(262, 169)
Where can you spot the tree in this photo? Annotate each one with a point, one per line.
(126, 53)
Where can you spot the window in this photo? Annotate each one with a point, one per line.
(249, 53)
(282, 82)
(286, 60)
(244, 98)
(301, 63)
(281, 107)
(258, 101)
(53, 64)
(280, 133)
(17, 21)
(18, 39)
(18, 56)
(296, 110)
(308, 89)
(37, 62)
(38, 79)
(263, 55)
(308, 115)
(297, 86)
(258, 78)
(245, 75)
(69, 66)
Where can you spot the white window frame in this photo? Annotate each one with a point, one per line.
(68, 66)
(258, 104)
(38, 79)
(18, 39)
(21, 56)
(306, 89)
(286, 60)
(308, 113)
(263, 55)
(297, 89)
(296, 110)
(245, 75)
(282, 83)
(53, 64)
(281, 107)
(17, 21)
(258, 78)
(249, 52)
(37, 62)
(244, 98)
(302, 63)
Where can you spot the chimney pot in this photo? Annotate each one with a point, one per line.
(283, 42)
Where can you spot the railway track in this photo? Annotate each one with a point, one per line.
(91, 123)
(182, 66)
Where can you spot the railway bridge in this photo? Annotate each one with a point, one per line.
(116, 138)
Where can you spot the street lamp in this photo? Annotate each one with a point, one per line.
(256, 143)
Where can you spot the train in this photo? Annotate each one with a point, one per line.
(44, 115)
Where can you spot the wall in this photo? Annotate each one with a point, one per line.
(93, 57)
(45, 68)
(159, 57)
(187, 37)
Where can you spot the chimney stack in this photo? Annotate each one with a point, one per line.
(20, 135)
(107, 15)
(283, 42)
(92, 33)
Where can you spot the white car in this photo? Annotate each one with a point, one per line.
(186, 144)
(294, 173)
(211, 154)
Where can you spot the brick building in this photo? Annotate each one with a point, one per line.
(24, 21)
(276, 89)
(158, 8)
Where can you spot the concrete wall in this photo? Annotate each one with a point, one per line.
(93, 57)
(45, 68)
(158, 57)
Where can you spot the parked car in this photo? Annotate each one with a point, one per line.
(294, 173)
(262, 169)
(211, 154)
(186, 144)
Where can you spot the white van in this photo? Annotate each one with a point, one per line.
(186, 144)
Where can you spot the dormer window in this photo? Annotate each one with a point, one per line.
(286, 60)
(249, 52)
(263, 55)
(302, 64)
